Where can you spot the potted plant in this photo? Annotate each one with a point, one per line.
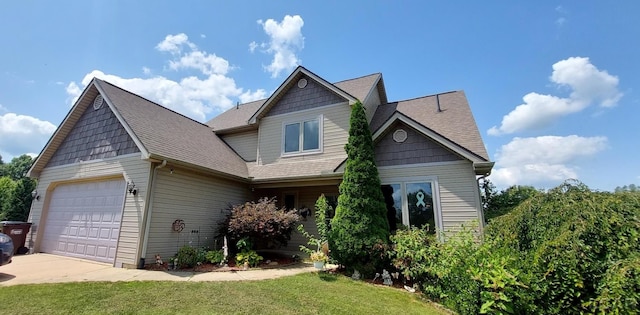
(319, 258)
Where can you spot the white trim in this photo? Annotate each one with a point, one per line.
(430, 134)
(92, 161)
(403, 166)
(435, 190)
(133, 136)
(300, 122)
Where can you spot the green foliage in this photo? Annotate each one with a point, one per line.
(18, 202)
(18, 167)
(322, 208)
(571, 246)
(187, 256)
(7, 186)
(214, 256)
(248, 256)
(262, 222)
(360, 223)
(501, 203)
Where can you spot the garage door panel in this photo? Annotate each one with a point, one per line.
(83, 220)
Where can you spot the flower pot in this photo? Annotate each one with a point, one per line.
(318, 264)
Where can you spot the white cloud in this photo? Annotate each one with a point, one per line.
(203, 36)
(146, 70)
(285, 40)
(253, 46)
(193, 96)
(546, 160)
(20, 134)
(587, 84)
(173, 43)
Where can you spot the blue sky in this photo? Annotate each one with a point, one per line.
(553, 85)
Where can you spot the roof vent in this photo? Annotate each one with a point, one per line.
(302, 83)
(400, 136)
(97, 102)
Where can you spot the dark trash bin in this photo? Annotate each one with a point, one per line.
(18, 231)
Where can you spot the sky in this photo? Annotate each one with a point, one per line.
(553, 86)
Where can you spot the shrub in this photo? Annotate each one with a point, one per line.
(261, 222)
(360, 222)
(246, 254)
(322, 208)
(214, 256)
(187, 256)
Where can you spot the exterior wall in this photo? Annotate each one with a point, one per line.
(297, 99)
(131, 167)
(198, 200)
(416, 149)
(97, 135)
(245, 144)
(307, 197)
(371, 104)
(335, 134)
(459, 195)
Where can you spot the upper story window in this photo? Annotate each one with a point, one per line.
(302, 136)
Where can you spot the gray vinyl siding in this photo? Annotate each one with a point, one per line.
(311, 96)
(371, 103)
(459, 195)
(245, 144)
(97, 135)
(198, 200)
(335, 134)
(129, 167)
(414, 150)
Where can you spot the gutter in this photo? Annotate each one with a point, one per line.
(482, 222)
(147, 224)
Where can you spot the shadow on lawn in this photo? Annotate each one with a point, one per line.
(329, 277)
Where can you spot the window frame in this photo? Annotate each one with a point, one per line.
(300, 123)
(403, 181)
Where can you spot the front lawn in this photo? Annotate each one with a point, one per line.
(310, 293)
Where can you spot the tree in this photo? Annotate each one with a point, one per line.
(18, 167)
(7, 186)
(497, 204)
(360, 224)
(18, 205)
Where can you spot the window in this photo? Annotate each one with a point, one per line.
(411, 203)
(302, 137)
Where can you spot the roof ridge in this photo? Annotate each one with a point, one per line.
(357, 78)
(150, 101)
(425, 96)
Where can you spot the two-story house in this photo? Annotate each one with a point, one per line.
(123, 178)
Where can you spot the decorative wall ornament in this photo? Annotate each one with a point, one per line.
(399, 136)
(178, 225)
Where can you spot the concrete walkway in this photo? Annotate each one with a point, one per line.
(46, 268)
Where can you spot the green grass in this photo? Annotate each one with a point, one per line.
(311, 293)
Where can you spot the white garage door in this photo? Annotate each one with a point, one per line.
(84, 220)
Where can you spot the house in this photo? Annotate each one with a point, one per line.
(123, 178)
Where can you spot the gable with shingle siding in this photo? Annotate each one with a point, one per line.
(300, 98)
(97, 135)
(415, 149)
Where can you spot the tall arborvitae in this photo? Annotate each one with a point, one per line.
(360, 223)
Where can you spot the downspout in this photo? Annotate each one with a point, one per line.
(147, 225)
(481, 223)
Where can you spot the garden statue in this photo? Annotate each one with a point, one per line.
(159, 260)
(356, 275)
(386, 277)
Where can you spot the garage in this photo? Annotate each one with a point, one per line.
(83, 220)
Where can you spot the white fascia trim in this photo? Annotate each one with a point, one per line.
(420, 165)
(141, 147)
(93, 161)
(425, 131)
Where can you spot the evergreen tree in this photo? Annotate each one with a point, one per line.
(18, 205)
(360, 224)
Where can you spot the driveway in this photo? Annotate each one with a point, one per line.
(46, 268)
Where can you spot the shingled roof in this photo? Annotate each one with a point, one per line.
(447, 114)
(166, 134)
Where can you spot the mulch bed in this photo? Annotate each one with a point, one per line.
(271, 260)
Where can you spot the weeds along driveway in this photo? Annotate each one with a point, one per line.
(46, 268)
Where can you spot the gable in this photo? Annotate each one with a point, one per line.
(97, 135)
(416, 149)
(298, 98)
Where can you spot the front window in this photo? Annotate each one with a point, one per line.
(411, 204)
(303, 136)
